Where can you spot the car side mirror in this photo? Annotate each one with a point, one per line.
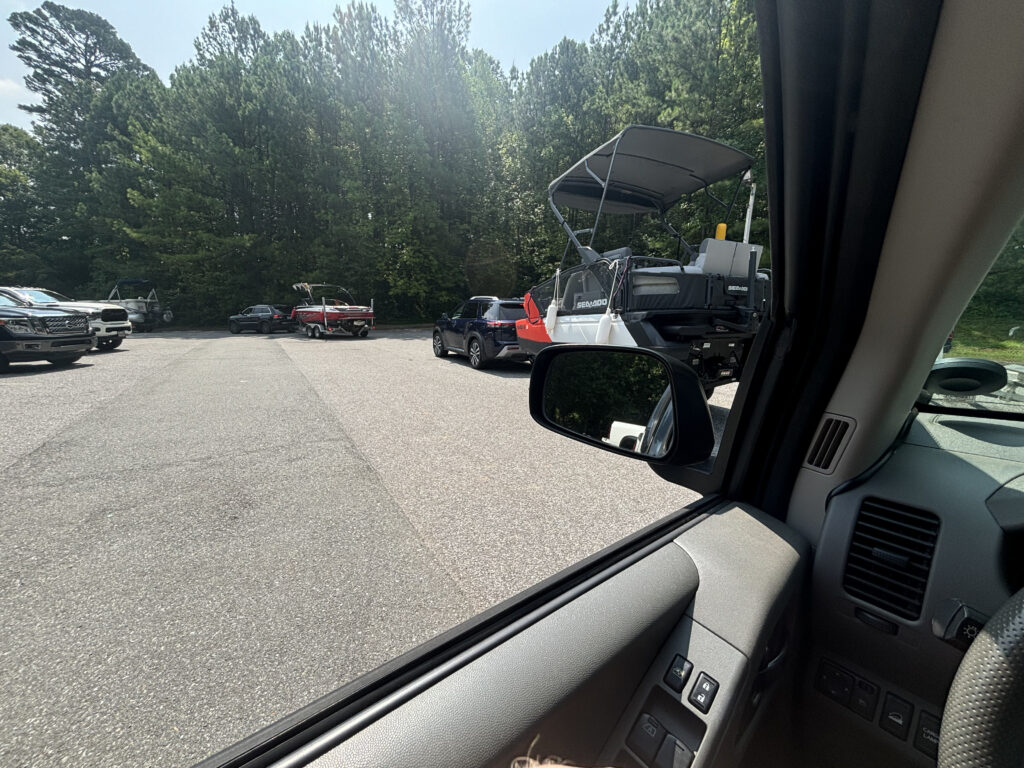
(630, 401)
(444, 316)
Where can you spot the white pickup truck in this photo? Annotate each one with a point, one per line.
(108, 321)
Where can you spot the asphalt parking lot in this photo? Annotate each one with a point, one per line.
(204, 532)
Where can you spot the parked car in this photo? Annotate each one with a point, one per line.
(28, 334)
(108, 321)
(483, 329)
(263, 318)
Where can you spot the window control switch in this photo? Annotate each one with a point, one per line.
(673, 754)
(646, 738)
(678, 673)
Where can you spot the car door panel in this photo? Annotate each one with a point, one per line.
(740, 629)
(452, 335)
(461, 326)
(560, 671)
(572, 683)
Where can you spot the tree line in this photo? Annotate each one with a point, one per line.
(379, 153)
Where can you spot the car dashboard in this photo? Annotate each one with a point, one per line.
(912, 559)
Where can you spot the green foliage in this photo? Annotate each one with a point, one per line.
(65, 48)
(380, 154)
(997, 310)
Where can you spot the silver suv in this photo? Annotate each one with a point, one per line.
(108, 321)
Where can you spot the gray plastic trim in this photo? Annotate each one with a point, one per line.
(1007, 505)
(746, 561)
(751, 570)
(565, 675)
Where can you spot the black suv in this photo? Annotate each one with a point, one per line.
(483, 329)
(263, 318)
(27, 334)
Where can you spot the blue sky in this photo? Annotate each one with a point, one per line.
(161, 33)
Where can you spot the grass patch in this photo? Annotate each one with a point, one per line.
(988, 337)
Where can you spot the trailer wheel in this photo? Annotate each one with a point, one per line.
(364, 333)
(317, 333)
(309, 332)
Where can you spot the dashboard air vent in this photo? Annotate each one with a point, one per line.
(890, 556)
(833, 434)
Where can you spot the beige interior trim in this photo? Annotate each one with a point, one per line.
(961, 193)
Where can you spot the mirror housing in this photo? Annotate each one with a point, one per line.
(444, 316)
(570, 379)
(965, 376)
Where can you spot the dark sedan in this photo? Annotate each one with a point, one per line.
(263, 318)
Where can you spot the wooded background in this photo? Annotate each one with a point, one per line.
(379, 153)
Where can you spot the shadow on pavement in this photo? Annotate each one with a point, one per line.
(41, 368)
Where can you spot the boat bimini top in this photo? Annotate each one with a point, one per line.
(644, 170)
(323, 291)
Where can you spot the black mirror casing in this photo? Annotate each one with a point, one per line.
(965, 376)
(694, 434)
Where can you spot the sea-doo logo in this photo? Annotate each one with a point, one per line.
(590, 301)
(736, 288)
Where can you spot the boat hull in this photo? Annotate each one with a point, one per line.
(334, 321)
(333, 314)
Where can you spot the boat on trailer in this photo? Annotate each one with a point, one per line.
(330, 310)
(704, 308)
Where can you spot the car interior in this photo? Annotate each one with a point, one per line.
(853, 547)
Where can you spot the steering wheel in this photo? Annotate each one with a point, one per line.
(983, 725)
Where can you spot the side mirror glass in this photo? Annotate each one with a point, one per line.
(633, 402)
(444, 316)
